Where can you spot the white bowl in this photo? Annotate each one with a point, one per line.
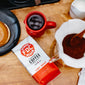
(70, 27)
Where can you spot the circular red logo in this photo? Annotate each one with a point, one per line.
(27, 50)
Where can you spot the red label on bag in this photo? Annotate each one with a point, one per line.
(27, 50)
(46, 74)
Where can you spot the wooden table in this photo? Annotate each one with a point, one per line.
(12, 72)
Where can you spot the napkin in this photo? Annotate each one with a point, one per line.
(82, 77)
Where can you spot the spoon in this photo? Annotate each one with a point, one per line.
(77, 38)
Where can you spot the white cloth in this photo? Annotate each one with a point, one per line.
(82, 77)
(69, 27)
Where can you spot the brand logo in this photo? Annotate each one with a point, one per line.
(27, 50)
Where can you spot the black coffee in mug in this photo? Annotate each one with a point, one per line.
(35, 22)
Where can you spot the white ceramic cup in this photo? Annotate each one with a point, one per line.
(78, 9)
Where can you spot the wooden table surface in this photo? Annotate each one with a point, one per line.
(12, 72)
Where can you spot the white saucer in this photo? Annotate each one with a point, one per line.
(72, 26)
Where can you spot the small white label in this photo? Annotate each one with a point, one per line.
(31, 55)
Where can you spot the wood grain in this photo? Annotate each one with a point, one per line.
(12, 71)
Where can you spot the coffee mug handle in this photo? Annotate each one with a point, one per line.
(50, 25)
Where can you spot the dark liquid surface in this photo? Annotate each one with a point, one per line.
(77, 49)
(35, 22)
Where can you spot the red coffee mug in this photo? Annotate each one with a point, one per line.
(38, 33)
